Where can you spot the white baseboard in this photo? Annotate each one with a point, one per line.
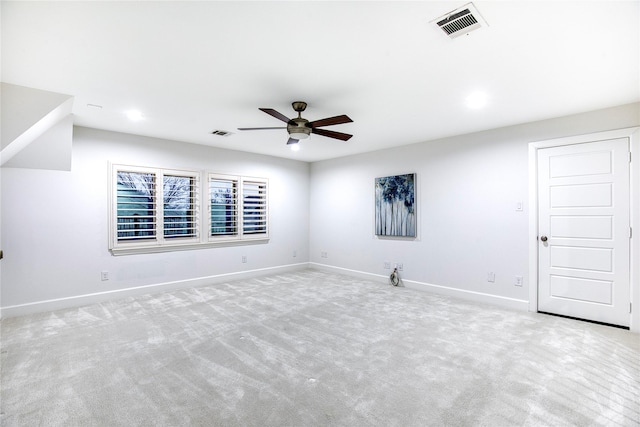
(80, 300)
(349, 272)
(500, 301)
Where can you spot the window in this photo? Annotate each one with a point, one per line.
(238, 207)
(254, 207)
(179, 198)
(223, 211)
(158, 209)
(136, 206)
(140, 217)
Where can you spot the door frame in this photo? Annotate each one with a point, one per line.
(633, 134)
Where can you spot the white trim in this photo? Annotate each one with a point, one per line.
(479, 297)
(187, 246)
(349, 272)
(94, 298)
(633, 134)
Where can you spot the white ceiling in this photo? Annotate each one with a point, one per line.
(192, 67)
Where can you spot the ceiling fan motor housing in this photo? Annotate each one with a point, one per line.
(298, 129)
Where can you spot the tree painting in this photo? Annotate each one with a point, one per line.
(395, 206)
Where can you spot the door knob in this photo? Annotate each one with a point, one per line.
(543, 238)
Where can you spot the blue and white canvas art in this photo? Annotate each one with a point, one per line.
(395, 205)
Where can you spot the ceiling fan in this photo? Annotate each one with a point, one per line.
(300, 128)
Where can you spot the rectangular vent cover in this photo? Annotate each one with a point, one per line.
(220, 133)
(461, 21)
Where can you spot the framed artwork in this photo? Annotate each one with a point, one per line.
(395, 205)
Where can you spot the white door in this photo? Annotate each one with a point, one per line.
(584, 231)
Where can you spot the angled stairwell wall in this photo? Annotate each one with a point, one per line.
(37, 128)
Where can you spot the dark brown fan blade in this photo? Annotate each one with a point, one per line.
(276, 114)
(278, 127)
(292, 141)
(337, 120)
(332, 134)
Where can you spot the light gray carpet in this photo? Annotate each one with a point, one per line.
(313, 349)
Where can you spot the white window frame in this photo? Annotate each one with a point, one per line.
(262, 205)
(202, 213)
(241, 222)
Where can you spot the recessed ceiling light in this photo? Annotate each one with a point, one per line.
(477, 100)
(134, 115)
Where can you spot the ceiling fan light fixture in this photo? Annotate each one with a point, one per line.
(299, 134)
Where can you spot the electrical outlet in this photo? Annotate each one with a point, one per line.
(399, 266)
(387, 265)
(244, 258)
(104, 275)
(491, 277)
(519, 280)
(295, 253)
(323, 255)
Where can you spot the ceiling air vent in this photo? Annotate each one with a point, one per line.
(220, 133)
(461, 21)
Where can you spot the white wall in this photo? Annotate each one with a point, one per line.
(467, 190)
(55, 224)
(23, 107)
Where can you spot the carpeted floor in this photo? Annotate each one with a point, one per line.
(313, 349)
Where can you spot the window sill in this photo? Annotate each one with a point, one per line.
(152, 249)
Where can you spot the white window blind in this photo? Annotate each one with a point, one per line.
(155, 210)
(180, 206)
(223, 199)
(254, 207)
(136, 206)
(154, 207)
